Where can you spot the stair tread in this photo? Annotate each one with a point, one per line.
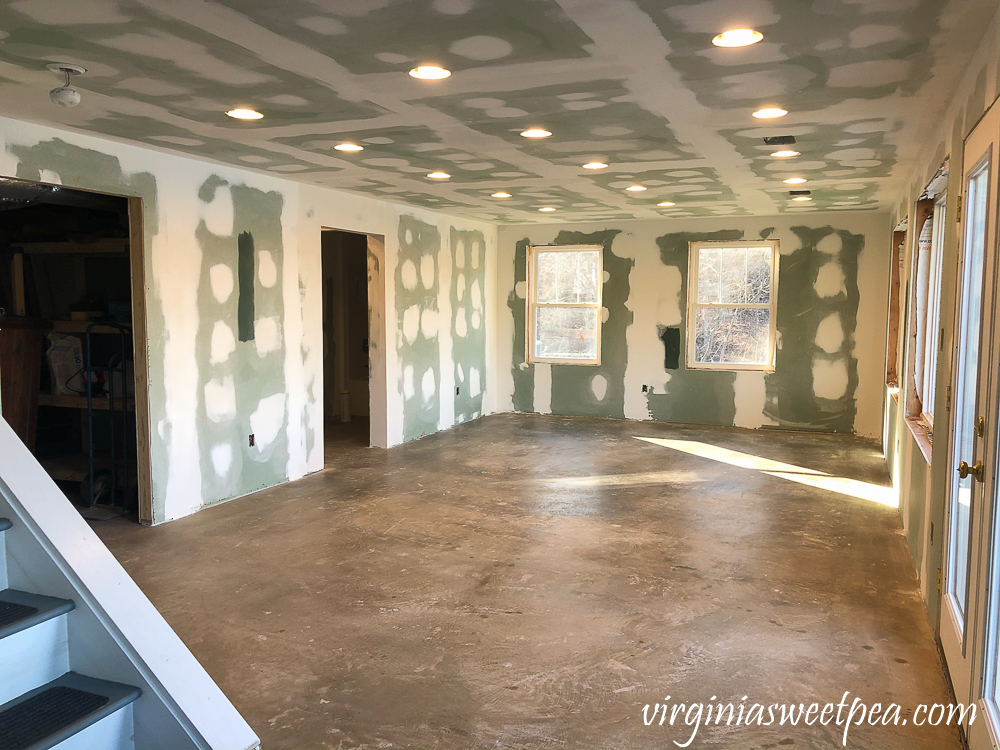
(47, 715)
(20, 610)
(5, 524)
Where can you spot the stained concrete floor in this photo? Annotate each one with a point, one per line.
(449, 593)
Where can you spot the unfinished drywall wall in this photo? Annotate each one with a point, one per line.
(234, 310)
(831, 332)
(922, 480)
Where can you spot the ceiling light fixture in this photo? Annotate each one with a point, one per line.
(439, 176)
(796, 181)
(501, 194)
(737, 38)
(242, 113)
(636, 188)
(349, 147)
(666, 204)
(430, 73)
(802, 198)
(770, 113)
(65, 95)
(595, 165)
(784, 154)
(547, 209)
(536, 133)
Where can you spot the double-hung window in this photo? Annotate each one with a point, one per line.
(732, 305)
(926, 311)
(564, 314)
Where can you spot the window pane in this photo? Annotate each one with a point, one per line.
(967, 381)
(758, 275)
(737, 336)
(709, 264)
(734, 274)
(566, 332)
(568, 276)
(744, 276)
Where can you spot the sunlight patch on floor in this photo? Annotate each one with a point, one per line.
(821, 480)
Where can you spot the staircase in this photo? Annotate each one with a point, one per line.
(42, 703)
(86, 661)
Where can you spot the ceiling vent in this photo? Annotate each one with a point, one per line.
(779, 140)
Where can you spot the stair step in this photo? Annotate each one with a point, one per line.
(48, 715)
(20, 610)
(5, 524)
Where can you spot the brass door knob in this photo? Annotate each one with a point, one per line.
(976, 472)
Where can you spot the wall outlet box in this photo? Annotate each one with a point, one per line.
(251, 440)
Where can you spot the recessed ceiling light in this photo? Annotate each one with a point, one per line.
(430, 72)
(241, 113)
(500, 195)
(547, 209)
(666, 204)
(536, 133)
(439, 175)
(770, 113)
(349, 147)
(595, 165)
(737, 38)
(784, 154)
(796, 181)
(636, 188)
(802, 198)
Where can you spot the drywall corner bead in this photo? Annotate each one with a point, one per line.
(419, 246)
(692, 396)
(576, 389)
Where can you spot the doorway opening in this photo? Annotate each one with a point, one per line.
(72, 341)
(351, 343)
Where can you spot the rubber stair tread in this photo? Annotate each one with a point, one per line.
(20, 610)
(47, 715)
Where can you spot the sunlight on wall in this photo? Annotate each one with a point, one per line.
(821, 480)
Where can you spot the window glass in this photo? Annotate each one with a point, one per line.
(564, 316)
(731, 316)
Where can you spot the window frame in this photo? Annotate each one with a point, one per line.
(932, 344)
(694, 253)
(532, 304)
(920, 400)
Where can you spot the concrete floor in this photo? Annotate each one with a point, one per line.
(448, 593)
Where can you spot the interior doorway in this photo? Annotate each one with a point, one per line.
(350, 270)
(73, 342)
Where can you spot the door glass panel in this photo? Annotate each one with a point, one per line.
(966, 385)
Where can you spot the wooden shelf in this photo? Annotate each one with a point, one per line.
(101, 247)
(74, 467)
(80, 326)
(80, 402)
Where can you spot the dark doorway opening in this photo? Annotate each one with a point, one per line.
(346, 375)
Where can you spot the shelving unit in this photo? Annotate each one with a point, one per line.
(80, 402)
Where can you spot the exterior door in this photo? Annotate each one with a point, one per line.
(969, 517)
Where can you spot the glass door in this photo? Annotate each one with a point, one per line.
(966, 602)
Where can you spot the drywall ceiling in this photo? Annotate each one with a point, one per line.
(634, 83)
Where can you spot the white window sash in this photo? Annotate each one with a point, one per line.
(694, 254)
(532, 304)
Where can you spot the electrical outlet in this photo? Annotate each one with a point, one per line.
(251, 440)
(645, 389)
(458, 390)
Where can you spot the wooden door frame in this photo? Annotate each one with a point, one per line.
(140, 359)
